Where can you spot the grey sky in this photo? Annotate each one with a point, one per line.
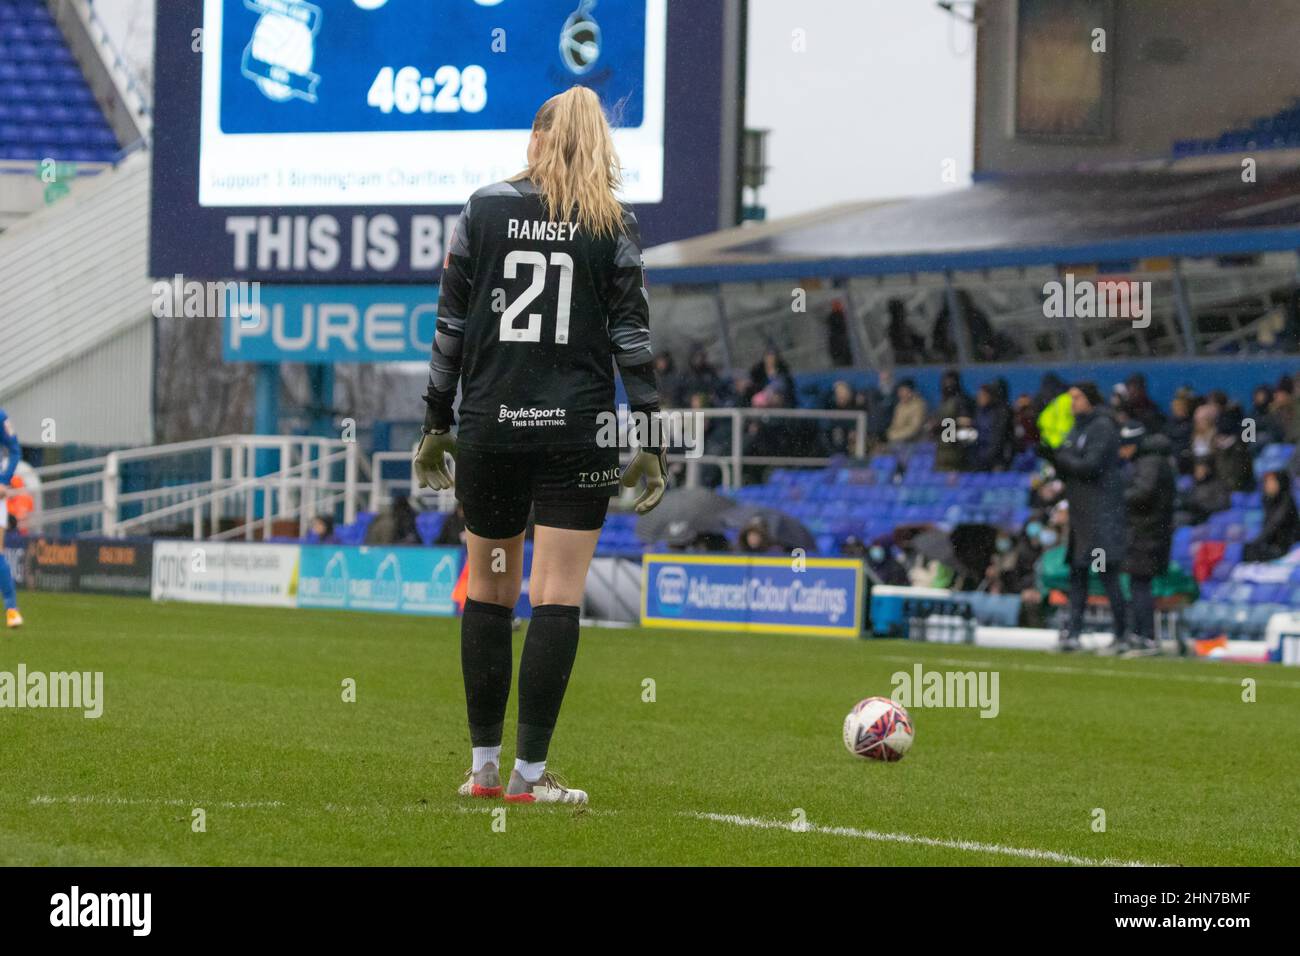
(883, 92)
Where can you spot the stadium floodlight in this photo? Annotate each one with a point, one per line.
(972, 15)
(754, 166)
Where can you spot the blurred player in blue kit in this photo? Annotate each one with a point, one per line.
(13, 454)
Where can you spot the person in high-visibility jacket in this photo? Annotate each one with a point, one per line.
(1056, 420)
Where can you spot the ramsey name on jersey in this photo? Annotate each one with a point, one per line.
(540, 229)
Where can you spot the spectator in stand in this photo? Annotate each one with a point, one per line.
(321, 530)
(852, 547)
(394, 525)
(880, 402)
(1293, 464)
(840, 434)
(1025, 424)
(716, 441)
(452, 533)
(1288, 338)
(883, 564)
(704, 541)
(954, 412)
(908, 420)
(1149, 498)
(1207, 495)
(1233, 460)
(755, 538)
(741, 392)
(1035, 539)
(702, 377)
(837, 336)
(1088, 462)
(1011, 569)
(1178, 428)
(1204, 430)
(672, 389)
(1138, 405)
(986, 344)
(1267, 428)
(778, 437)
(771, 370)
(1281, 529)
(908, 345)
(1283, 409)
(995, 429)
(1119, 402)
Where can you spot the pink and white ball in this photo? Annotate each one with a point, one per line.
(878, 729)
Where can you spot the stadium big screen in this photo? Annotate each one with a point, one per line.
(334, 141)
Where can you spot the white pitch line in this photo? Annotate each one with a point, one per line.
(333, 808)
(969, 846)
(107, 801)
(1087, 671)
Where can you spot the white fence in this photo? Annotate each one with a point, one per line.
(251, 480)
(242, 486)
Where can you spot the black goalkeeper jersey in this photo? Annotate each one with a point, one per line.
(532, 315)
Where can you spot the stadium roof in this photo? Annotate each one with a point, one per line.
(1031, 220)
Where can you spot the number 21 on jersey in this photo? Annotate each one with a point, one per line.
(537, 261)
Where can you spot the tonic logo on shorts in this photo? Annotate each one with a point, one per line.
(597, 479)
(532, 417)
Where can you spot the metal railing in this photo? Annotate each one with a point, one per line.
(242, 485)
(137, 93)
(733, 463)
(251, 480)
(380, 486)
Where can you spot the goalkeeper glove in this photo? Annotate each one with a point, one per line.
(430, 461)
(653, 466)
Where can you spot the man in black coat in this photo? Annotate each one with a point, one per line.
(1088, 463)
(1149, 498)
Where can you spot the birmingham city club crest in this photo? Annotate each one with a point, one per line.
(580, 39)
(279, 56)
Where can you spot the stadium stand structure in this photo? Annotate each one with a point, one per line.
(74, 201)
(1280, 130)
(47, 110)
(874, 498)
(1216, 265)
(70, 107)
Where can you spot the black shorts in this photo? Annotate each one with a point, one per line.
(567, 488)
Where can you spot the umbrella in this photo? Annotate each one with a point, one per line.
(934, 545)
(683, 514)
(974, 544)
(785, 531)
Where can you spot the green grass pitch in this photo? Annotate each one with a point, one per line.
(240, 712)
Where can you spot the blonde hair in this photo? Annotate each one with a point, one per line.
(577, 170)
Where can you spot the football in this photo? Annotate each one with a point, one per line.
(878, 729)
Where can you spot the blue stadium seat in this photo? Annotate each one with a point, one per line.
(428, 524)
(44, 94)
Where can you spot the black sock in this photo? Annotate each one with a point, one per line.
(549, 650)
(485, 661)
